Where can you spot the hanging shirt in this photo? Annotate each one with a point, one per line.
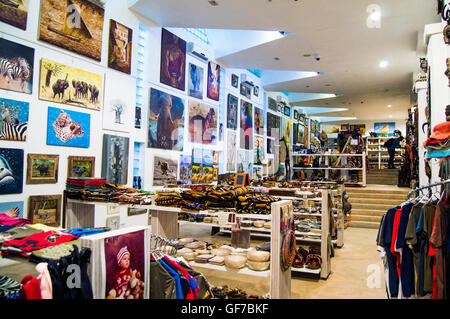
(186, 289)
(393, 281)
(175, 276)
(162, 285)
(424, 228)
(192, 282)
(413, 242)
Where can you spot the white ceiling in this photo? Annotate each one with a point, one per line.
(349, 51)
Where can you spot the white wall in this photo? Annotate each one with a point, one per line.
(36, 141)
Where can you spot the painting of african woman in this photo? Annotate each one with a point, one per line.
(213, 81)
(173, 60)
(74, 25)
(165, 121)
(202, 123)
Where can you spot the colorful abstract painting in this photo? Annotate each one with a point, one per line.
(74, 25)
(165, 121)
(173, 60)
(13, 120)
(16, 66)
(68, 128)
(61, 83)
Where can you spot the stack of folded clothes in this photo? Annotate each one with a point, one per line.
(86, 183)
(438, 144)
(255, 204)
(112, 193)
(169, 198)
(6, 220)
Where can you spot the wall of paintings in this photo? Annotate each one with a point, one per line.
(70, 111)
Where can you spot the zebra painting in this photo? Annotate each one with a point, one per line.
(13, 132)
(13, 120)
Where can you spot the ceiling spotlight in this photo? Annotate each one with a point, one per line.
(390, 116)
(276, 58)
(213, 3)
(375, 15)
(389, 106)
(383, 64)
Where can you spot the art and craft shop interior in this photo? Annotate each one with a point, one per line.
(224, 149)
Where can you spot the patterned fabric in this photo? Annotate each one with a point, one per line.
(9, 289)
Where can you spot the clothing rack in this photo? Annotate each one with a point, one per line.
(427, 186)
(161, 242)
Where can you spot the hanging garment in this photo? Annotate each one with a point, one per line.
(204, 286)
(413, 242)
(175, 276)
(424, 229)
(437, 239)
(64, 283)
(393, 277)
(162, 285)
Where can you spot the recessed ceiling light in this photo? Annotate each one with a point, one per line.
(390, 116)
(383, 64)
(375, 16)
(390, 105)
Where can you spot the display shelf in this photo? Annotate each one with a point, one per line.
(305, 270)
(326, 154)
(242, 271)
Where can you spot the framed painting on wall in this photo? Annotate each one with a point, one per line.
(273, 126)
(74, 25)
(68, 128)
(384, 129)
(231, 151)
(232, 112)
(119, 47)
(246, 140)
(17, 66)
(259, 150)
(256, 90)
(234, 80)
(11, 166)
(213, 85)
(113, 222)
(202, 123)
(13, 120)
(246, 91)
(287, 111)
(270, 145)
(14, 13)
(195, 82)
(81, 166)
(164, 171)
(272, 104)
(60, 83)
(42, 168)
(173, 60)
(115, 159)
(45, 210)
(12, 209)
(185, 169)
(244, 162)
(259, 121)
(165, 121)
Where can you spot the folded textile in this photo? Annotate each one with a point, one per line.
(38, 241)
(9, 288)
(79, 232)
(437, 154)
(441, 132)
(18, 232)
(7, 220)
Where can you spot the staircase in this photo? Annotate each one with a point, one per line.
(369, 204)
(382, 176)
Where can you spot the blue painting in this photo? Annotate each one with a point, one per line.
(195, 81)
(13, 120)
(384, 129)
(165, 121)
(12, 209)
(11, 171)
(68, 128)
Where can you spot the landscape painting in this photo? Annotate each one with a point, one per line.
(17, 65)
(68, 128)
(246, 140)
(119, 47)
(81, 166)
(11, 171)
(165, 121)
(384, 129)
(173, 60)
(60, 83)
(164, 171)
(74, 25)
(202, 123)
(195, 84)
(42, 168)
(14, 13)
(45, 210)
(13, 120)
